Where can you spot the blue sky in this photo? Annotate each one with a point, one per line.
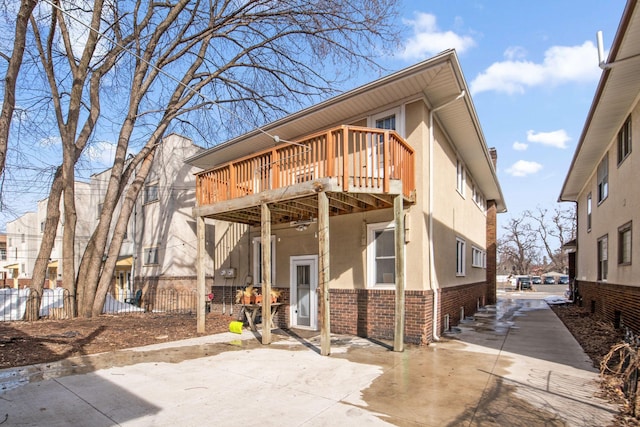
(533, 70)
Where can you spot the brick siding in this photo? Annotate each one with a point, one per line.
(616, 303)
(468, 296)
(370, 313)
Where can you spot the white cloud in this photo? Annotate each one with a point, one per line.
(561, 64)
(515, 52)
(50, 141)
(428, 40)
(102, 152)
(556, 138)
(523, 168)
(520, 146)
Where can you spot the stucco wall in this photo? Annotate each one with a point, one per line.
(621, 206)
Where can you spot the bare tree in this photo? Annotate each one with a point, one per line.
(554, 230)
(518, 246)
(14, 63)
(177, 61)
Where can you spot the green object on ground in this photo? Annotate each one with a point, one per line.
(235, 327)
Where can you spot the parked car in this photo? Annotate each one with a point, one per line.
(523, 283)
(549, 280)
(563, 280)
(536, 280)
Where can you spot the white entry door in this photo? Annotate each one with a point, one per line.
(304, 298)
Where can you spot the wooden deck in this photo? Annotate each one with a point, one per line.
(358, 168)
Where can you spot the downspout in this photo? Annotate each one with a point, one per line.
(432, 276)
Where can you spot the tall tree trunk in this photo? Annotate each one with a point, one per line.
(106, 276)
(70, 220)
(13, 68)
(44, 254)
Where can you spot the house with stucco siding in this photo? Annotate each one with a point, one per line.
(604, 184)
(372, 213)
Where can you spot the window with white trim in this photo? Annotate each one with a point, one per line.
(389, 119)
(381, 255)
(478, 197)
(478, 257)
(257, 260)
(461, 178)
(603, 257)
(460, 257)
(603, 178)
(151, 256)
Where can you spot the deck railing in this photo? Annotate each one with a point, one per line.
(362, 157)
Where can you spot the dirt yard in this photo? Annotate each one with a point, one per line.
(27, 343)
(597, 337)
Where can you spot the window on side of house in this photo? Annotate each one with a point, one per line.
(151, 193)
(460, 257)
(257, 260)
(624, 141)
(461, 177)
(478, 257)
(151, 256)
(388, 122)
(478, 197)
(3, 254)
(624, 244)
(22, 238)
(603, 257)
(589, 209)
(41, 227)
(390, 119)
(603, 178)
(381, 255)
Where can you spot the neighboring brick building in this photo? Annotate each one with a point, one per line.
(603, 181)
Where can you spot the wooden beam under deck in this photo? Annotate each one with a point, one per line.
(299, 201)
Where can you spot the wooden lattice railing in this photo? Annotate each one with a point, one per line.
(362, 157)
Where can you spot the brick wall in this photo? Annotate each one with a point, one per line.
(467, 296)
(616, 303)
(371, 313)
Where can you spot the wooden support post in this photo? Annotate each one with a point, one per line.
(398, 220)
(265, 238)
(200, 274)
(323, 273)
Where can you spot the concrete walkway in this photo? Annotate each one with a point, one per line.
(514, 364)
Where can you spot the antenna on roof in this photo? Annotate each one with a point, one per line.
(601, 61)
